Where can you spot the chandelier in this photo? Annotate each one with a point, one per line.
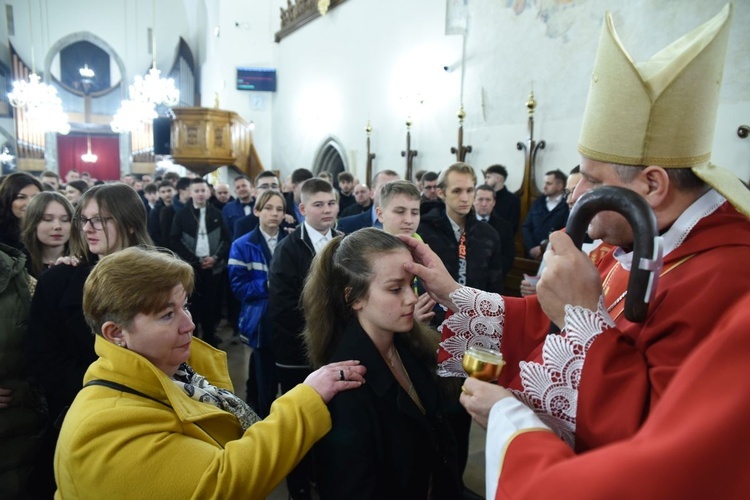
(39, 100)
(154, 89)
(42, 104)
(132, 115)
(88, 156)
(145, 94)
(5, 156)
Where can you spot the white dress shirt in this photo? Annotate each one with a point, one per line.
(318, 240)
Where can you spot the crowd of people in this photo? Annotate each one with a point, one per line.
(250, 248)
(358, 304)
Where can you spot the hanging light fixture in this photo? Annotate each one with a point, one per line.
(88, 156)
(38, 99)
(154, 89)
(146, 93)
(132, 115)
(5, 156)
(323, 6)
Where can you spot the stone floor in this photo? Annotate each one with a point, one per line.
(238, 356)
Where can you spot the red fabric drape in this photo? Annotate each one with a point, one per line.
(107, 148)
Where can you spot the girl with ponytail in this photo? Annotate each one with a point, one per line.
(389, 435)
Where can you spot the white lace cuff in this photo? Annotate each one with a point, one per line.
(583, 325)
(479, 321)
(550, 388)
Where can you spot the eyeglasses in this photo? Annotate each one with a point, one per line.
(96, 222)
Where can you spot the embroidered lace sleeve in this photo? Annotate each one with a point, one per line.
(550, 388)
(584, 325)
(479, 321)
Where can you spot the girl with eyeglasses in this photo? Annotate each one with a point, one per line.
(60, 345)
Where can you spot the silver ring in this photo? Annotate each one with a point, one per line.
(341, 375)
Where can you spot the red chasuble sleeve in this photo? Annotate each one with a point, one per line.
(693, 445)
(628, 369)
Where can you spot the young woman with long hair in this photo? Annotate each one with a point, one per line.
(46, 230)
(16, 191)
(388, 436)
(60, 345)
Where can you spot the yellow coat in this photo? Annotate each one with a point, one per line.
(119, 445)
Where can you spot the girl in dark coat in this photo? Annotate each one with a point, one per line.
(389, 438)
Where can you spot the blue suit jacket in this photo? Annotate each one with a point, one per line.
(348, 225)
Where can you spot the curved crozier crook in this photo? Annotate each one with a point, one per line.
(647, 244)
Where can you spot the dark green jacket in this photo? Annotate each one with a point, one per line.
(21, 424)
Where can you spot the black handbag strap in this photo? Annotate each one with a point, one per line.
(124, 388)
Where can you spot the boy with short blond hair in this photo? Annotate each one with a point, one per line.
(291, 262)
(397, 207)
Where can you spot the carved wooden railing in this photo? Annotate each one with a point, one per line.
(243, 147)
(301, 12)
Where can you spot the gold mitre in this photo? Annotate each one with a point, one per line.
(661, 111)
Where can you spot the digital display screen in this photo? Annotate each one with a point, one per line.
(258, 79)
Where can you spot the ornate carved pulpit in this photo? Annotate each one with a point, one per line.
(202, 139)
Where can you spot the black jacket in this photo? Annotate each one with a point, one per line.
(508, 206)
(291, 263)
(484, 268)
(507, 243)
(183, 236)
(154, 227)
(353, 209)
(381, 445)
(346, 200)
(484, 257)
(59, 346)
(540, 222)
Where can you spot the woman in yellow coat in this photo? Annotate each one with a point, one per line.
(156, 417)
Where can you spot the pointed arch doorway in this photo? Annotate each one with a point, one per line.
(331, 158)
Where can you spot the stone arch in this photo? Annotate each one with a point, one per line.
(331, 157)
(91, 38)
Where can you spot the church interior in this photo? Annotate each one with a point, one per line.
(341, 80)
(328, 85)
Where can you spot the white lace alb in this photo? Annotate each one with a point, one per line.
(550, 388)
(479, 321)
